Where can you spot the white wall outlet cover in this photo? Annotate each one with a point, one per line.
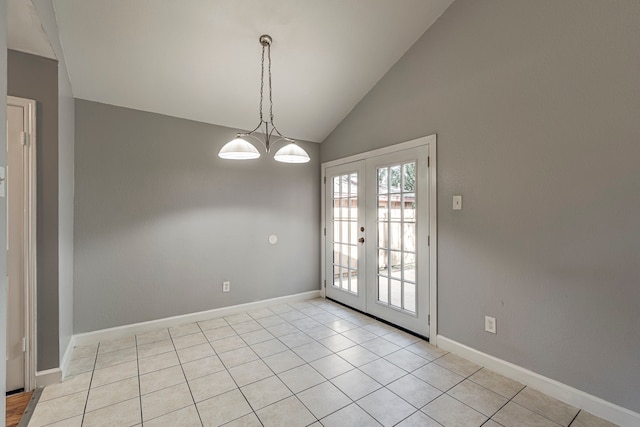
(490, 324)
(273, 239)
(226, 286)
(457, 203)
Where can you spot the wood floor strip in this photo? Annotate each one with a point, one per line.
(16, 404)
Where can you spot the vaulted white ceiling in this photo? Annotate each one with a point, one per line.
(200, 59)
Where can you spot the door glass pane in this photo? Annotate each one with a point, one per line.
(383, 289)
(345, 236)
(396, 293)
(397, 236)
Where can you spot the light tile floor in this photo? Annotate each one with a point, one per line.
(309, 363)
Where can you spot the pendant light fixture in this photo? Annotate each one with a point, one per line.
(241, 149)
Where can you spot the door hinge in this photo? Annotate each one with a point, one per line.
(429, 319)
(324, 231)
(24, 344)
(325, 283)
(428, 161)
(324, 179)
(428, 240)
(25, 138)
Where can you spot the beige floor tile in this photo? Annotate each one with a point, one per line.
(293, 315)
(117, 344)
(406, 360)
(301, 378)
(514, 415)
(190, 340)
(186, 329)
(356, 384)
(479, 398)
(220, 333)
(457, 364)
(267, 348)
(320, 332)
(553, 409)
(331, 366)
(420, 419)
(245, 327)
(387, 408)
(426, 350)
(152, 336)
(449, 412)
(81, 365)
(237, 318)
(104, 360)
(212, 324)
(351, 415)
(359, 335)
(196, 352)
(163, 378)
(200, 368)
(295, 339)
(206, 387)
(72, 385)
(491, 423)
(114, 373)
(166, 400)
(237, 357)
(249, 420)
(282, 329)
(69, 422)
(281, 308)
(227, 344)
(401, 338)
(438, 376)
(223, 408)
(185, 417)
(415, 391)
(125, 413)
(341, 325)
(383, 371)
(323, 399)
(250, 372)
(255, 337)
(380, 346)
(272, 320)
(305, 324)
(497, 383)
(157, 362)
(283, 361)
(585, 419)
(379, 328)
(100, 397)
(337, 343)
(157, 347)
(358, 355)
(289, 412)
(81, 351)
(312, 351)
(58, 409)
(265, 392)
(260, 313)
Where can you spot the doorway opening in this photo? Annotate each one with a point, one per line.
(380, 236)
(20, 191)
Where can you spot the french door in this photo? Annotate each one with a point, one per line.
(377, 236)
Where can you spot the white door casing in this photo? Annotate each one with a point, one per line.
(407, 244)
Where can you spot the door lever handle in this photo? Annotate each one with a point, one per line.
(361, 240)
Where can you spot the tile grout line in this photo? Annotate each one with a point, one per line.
(139, 386)
(84, 411)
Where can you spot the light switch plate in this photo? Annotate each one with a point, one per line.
(457, 203)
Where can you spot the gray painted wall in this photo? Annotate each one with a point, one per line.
(536, 107)
(66, 133)
(161, 221)
(3, 207)
(34, 77)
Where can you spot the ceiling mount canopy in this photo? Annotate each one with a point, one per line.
(241, 149)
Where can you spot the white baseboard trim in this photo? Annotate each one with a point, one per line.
(137, 328)
(66, 358)
(48, 377)
(595, 405)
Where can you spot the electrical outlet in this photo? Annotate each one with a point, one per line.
(226, 286)
(490, 324)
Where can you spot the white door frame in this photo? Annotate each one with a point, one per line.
(30, 180)
(430, 142)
